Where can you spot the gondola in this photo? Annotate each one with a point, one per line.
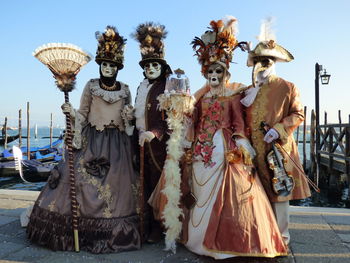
(31, 168)
(9, 139)
(42, 154)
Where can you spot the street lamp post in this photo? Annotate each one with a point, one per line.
(324, 80)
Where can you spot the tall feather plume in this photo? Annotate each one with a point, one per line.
(110, 46)
(150, 36)
(230, 24)
(266, 31)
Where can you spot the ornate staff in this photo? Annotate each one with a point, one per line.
(65, 61)
(177, 101)
(142, 190)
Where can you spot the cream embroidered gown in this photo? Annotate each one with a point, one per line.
(105, 183)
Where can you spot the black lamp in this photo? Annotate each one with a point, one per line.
(325, 78)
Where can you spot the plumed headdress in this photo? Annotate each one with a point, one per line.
(217, 44)
(151, 36)
(110, 47)
(267, 46)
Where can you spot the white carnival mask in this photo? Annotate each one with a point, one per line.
(152, 70)
(108, 69)
(215, 75)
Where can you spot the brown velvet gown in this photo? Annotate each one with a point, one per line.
(106, 184)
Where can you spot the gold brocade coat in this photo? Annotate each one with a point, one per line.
(278, 104)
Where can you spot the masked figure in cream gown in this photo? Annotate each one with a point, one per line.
(232, 215)
(105, 178)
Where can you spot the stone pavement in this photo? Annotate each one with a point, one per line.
(318, 235)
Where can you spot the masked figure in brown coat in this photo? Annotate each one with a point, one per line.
(150, 122)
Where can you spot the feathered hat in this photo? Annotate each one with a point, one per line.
(217, 44)
(151, 36)
(267, 46)
(110, 47)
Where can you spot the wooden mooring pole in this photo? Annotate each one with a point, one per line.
(314, 167)
(28, 133)
(51, 130)
(304, 139)
(298, 135)
(4, 130)
(347, 161)
(20, 128)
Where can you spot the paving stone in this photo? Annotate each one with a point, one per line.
(4, 220)
(322, 258)
(345, 238)
(318, 235)
(337, 220)
(308, 219)
(9, 248)
(12, 212)
(19, 239)
(14, 204)
(30, 254)
(12, 229)
(315, 242)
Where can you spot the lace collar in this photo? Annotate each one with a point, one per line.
(107, 95)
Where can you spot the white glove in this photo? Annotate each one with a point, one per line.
(128, 112)
(245, 144)
(271, 135)
(146, 136)
(185, 143)
(127, 115)
(76, 142)
(68, 108)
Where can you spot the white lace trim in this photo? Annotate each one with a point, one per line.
(140, 104)
(261, 79)
(224, 92)
(109, 96)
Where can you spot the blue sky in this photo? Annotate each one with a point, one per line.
(313, 31)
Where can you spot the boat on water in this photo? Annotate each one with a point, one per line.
(33, 169)
(46, 153)
(38, 168)
(9, 139)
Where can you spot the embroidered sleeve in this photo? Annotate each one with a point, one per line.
(190, 125)
(85, 101)
(294, 117)
(237, 120)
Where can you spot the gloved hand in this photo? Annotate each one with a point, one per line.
(271, 135)
(68, 108)
(77, 140)
(128, 112)
(247, 150)
(146, 136)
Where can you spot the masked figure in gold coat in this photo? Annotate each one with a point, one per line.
(276, 102)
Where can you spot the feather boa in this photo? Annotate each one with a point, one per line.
(176, 106)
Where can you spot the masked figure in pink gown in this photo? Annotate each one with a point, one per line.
(232, 215)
